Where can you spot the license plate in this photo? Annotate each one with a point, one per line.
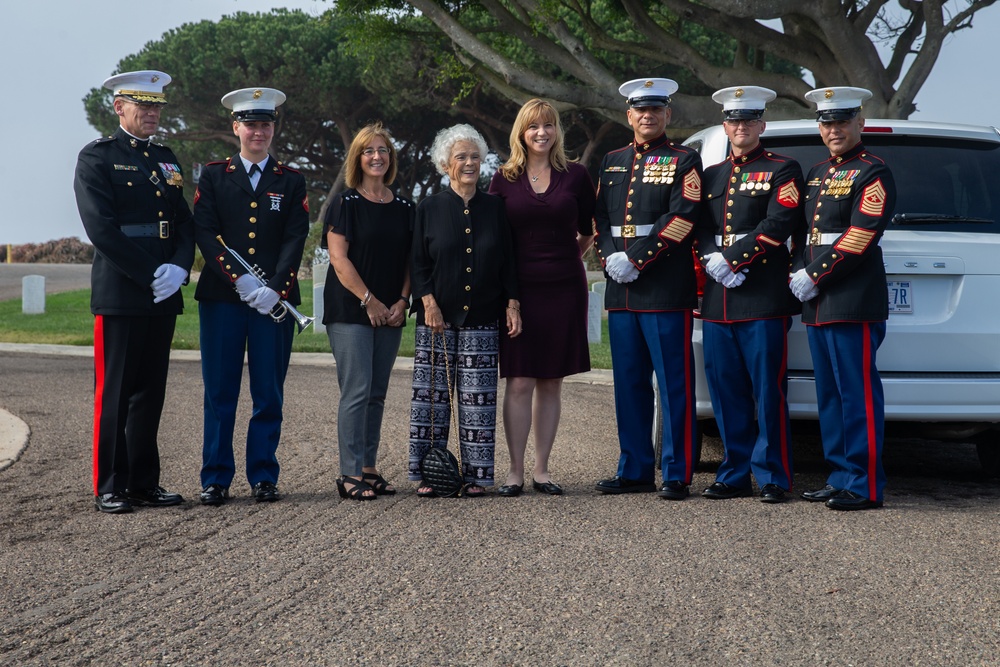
(900, 296)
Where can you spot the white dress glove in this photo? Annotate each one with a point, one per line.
(620, 269)
(717, 267)
(167, 279)
(802, 286)
(263, 300)
(733, 279)
(246, 285)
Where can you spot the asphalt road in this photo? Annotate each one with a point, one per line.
(580, 579)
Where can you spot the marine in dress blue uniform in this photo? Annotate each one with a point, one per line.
(648, 203)
(129, 191)
(840, 278)
(260, 209)
(752, 206)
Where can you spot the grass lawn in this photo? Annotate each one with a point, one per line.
(67, 321)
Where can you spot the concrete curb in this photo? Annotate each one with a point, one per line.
(14, 433)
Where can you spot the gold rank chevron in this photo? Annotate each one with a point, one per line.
(873, 199)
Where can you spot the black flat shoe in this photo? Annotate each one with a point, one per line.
(772, 493)
(673, 490)
(549, 487)
(158, 497)
(214, 494)
(354, 489)
(378, 483)
(849, 501)
(621, 485)
(112, 503)
(723, 491)
(820, 495)
(510, 490)
(265, 492)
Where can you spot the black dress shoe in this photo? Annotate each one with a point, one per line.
(265, 492)
(158, 497)
(820, 495)
(723, 491)
(772, 493)
(621, 485)
(510, 490)
(848, 501)
(549, 487)
(673, 490)
(214, 494)
(112, 503)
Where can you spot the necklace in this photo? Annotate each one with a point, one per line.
(534, 179)
(381, 200)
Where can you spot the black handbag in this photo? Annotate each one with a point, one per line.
(439, 468)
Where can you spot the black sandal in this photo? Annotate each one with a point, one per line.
(357, 489)
(378, 484)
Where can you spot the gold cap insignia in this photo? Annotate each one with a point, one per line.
(828, 94)
(156, 77)
(648, 84)
(257, 94)
(739, 92)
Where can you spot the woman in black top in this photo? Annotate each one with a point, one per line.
(368, 232)
(463, 283)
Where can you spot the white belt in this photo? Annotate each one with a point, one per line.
(815, 238)
(631, 231)
(728, 240)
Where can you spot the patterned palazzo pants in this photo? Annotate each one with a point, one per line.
(472, 354)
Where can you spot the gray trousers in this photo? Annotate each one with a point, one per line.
(364, 355)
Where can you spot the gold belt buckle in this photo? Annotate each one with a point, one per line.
(814, 236)
(164, 229)
(728, 240)
(628, 231)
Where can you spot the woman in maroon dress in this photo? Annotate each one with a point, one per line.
(550, 206)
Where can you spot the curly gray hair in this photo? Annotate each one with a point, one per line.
(445, 139)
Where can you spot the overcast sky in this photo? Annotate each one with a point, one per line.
(53, 53)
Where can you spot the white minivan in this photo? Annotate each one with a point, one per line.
(940, 361)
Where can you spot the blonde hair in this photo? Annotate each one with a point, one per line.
(533, 111)
(352, 165)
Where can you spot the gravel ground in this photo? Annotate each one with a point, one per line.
(580, 579)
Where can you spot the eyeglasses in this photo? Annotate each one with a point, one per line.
(753, 122)
(381, 150)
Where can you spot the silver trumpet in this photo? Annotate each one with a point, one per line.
(282, 308)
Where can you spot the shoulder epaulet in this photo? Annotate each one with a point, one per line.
(209, 164)
(103, 140)
(282, 167)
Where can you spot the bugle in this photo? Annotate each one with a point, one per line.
(282, 308)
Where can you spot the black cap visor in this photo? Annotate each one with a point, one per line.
(255, 114)
(833, 115)
(648, 101)
(743, 114)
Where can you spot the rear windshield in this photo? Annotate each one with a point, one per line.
(941, 184)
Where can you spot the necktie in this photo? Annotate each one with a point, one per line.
(255, 170)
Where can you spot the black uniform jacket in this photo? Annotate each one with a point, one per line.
(849, 202)
(267, 227)
(115, 189)
(648, 203)
(757, 196)
(464, 256)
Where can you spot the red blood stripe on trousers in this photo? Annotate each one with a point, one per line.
(98, 387)
(689, 416)
(869, 412)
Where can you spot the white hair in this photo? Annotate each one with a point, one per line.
(447, 138)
